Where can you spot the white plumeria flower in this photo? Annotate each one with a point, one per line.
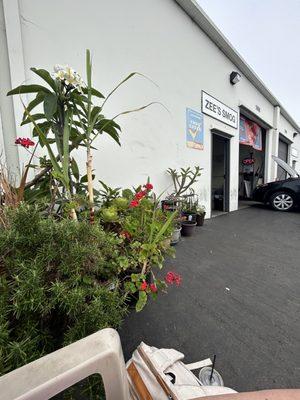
(68, 75)
(58, 67)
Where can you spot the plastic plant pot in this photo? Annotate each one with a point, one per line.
(176, 236)
(200, 219)
(188, 228)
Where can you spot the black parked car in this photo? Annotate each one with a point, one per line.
(282, 195)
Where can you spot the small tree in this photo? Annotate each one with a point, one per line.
(184, 179)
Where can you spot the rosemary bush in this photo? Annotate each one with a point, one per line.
(57, 284)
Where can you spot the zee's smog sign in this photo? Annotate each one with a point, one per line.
(218, 110)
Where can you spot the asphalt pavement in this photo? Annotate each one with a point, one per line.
(239, 299)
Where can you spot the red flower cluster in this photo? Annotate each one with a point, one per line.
(153, 288)
(145, 286)
(25, 142)
(172, 277)
(125, 234)
(133, 203)
(140, 195)
(148, 186)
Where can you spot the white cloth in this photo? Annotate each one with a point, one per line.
(186, 385)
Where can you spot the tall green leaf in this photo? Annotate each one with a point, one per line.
(46, 76)
(35, 102)
(138, 109)
(43, 139)
(75, 169)
(50, 105)
(94, 92)
(95, 112)
(124, 113)
(34, 117)
(112, 132)
(120, 84)
(28, 89)
(164, 227)
(123, 81)
(141, 301)
(44, 126)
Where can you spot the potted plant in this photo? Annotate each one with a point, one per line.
(189, 207)
(200, 215)
(184, 179)
(145, 233)
(171, 203)
(188, 228)
(176, 233)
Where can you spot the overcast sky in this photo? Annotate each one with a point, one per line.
(267, 35)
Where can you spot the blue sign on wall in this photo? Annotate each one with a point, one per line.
(194, 129)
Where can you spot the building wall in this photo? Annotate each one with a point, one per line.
(287, 131)
(157, 39)
(8, 152)
(295, 154)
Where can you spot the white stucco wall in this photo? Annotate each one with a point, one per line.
(158, 39)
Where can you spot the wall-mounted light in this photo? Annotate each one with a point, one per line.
(235, 77)
(295, 134)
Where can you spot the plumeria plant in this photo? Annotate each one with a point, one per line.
(71, 116)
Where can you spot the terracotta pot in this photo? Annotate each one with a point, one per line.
(200, 219)
(188, 228)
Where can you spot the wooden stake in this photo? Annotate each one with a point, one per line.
(89, 172)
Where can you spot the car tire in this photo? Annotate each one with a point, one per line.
(282, 201)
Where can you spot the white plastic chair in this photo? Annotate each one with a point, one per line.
(100, 353)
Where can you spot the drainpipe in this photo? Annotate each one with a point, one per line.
(272, 146)
(9, 151)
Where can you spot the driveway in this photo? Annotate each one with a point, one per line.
(239, 299)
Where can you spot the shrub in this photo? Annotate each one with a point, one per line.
(146, 231)
(58, 283)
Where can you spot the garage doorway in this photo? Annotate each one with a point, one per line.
(283, 153)
(220, 174)
(252, 154)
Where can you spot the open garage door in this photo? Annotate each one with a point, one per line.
(252, 139)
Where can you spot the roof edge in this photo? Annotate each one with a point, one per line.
(196, 13)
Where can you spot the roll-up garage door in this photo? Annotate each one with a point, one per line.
(283, 149)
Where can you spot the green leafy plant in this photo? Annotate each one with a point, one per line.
(138, 286)
(146, 230)
(200, 209)
(58, 283)
(107, 194)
